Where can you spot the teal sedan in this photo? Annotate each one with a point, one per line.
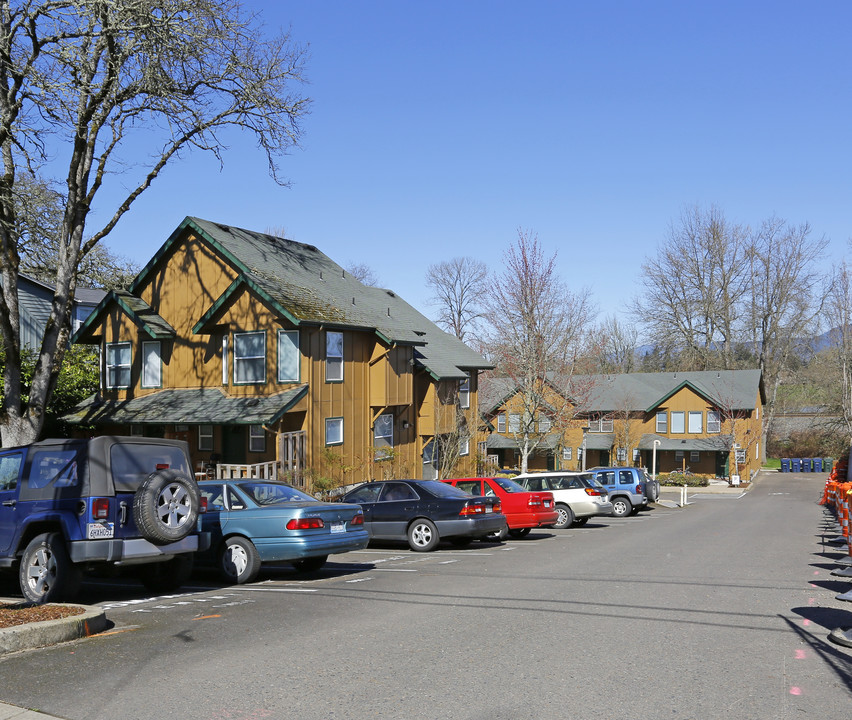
(255, 521)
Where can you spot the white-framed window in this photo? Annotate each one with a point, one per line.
(679, 456)
(249, 358)
(662, 422)
(288, 356)
(544, 424)
(501, 423)
(514, 422)
(757, 451)
(333, 356)
(205, 437)
(334, 431)
(429, 452)
(464, 446)
(621, 454)
(696, 421)
(257, 439)
(383, 436)
(464, 393)
(606, 424)
(152, 373)
(741, 455)
(595, 423)
(224, 359)
(566, 453)
(635, 454)
(118, 365)
(694, 456)
(714, 421)
(678, 420)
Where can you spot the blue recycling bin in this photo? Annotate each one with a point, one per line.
(806, 464)
(817, 466)
(785, 464)
(796, 465)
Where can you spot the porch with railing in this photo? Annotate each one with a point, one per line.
(290, 467)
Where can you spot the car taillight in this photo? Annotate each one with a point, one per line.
(162, 466)
(638, 489)
(497, 507)
(472, 509)
(358, 519)
(100, 508)
(305, 524)
(203, 506)
(593, 492)
(534, 501)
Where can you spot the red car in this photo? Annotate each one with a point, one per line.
(523, 509)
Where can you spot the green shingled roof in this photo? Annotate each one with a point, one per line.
(189, 406)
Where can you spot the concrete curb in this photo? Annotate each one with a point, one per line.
(12, 712)
(32, 635)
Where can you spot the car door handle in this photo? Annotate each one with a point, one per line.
(9, 503)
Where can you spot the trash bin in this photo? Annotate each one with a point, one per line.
(796, 465)
(806, 464)
(785, 464)
(817, 466)
(828, 464)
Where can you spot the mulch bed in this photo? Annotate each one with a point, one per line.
(23, 613)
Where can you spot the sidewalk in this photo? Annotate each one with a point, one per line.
(10, 712)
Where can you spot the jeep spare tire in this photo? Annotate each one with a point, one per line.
(165, 506)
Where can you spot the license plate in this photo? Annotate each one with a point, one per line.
(547, 503)
(338, 527)
(100, 531)
(488, 509)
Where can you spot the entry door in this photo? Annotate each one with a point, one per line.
(234, 443)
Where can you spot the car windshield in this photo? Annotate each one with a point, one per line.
(273, 493)
(591, 481)
(442, 490)
(510, 486)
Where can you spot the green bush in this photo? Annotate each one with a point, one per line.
(678, 479)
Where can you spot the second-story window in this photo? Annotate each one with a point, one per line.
(678, 422)
(501, 423)
(606, 424)
(151, 365)
(544, 424)
(662, 422)
(696, 419)
(250, 358)
(514, 423)
(464, 393)
(288, 356)
(714, 421)
(118, 365)
(333, 356)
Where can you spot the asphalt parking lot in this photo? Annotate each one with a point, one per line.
(718, 609)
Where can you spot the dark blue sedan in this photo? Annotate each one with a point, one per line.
(422, 512)
(256, 521)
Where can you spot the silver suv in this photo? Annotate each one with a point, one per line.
(629, 488)
(576, 495)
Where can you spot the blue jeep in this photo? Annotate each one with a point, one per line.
(72, 505)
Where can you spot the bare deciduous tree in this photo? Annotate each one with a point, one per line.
(614, 345)
(694, 288)
(536, 324)
(363, 273)
(88, 78)
(839, 317)
(459, 287)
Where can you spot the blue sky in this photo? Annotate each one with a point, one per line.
(438, 129)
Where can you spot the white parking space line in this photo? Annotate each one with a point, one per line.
(396, 570)
(258, 588)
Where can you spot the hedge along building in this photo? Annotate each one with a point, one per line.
(256, 349)
(708, 421)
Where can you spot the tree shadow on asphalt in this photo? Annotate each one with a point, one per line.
(830, 618)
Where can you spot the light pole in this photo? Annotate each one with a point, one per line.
(736, 466)
(585, 430)
(654, 460)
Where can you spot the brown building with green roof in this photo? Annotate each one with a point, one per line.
(265, 355)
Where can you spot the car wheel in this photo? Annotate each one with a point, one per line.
(422, 535)
(461, 541)
(239, 561)
(310, 564)
(166, 577)
(621, 507)
(165, 507)
(46, 573)
(566, 517)
(519, 532)
(580, 521)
